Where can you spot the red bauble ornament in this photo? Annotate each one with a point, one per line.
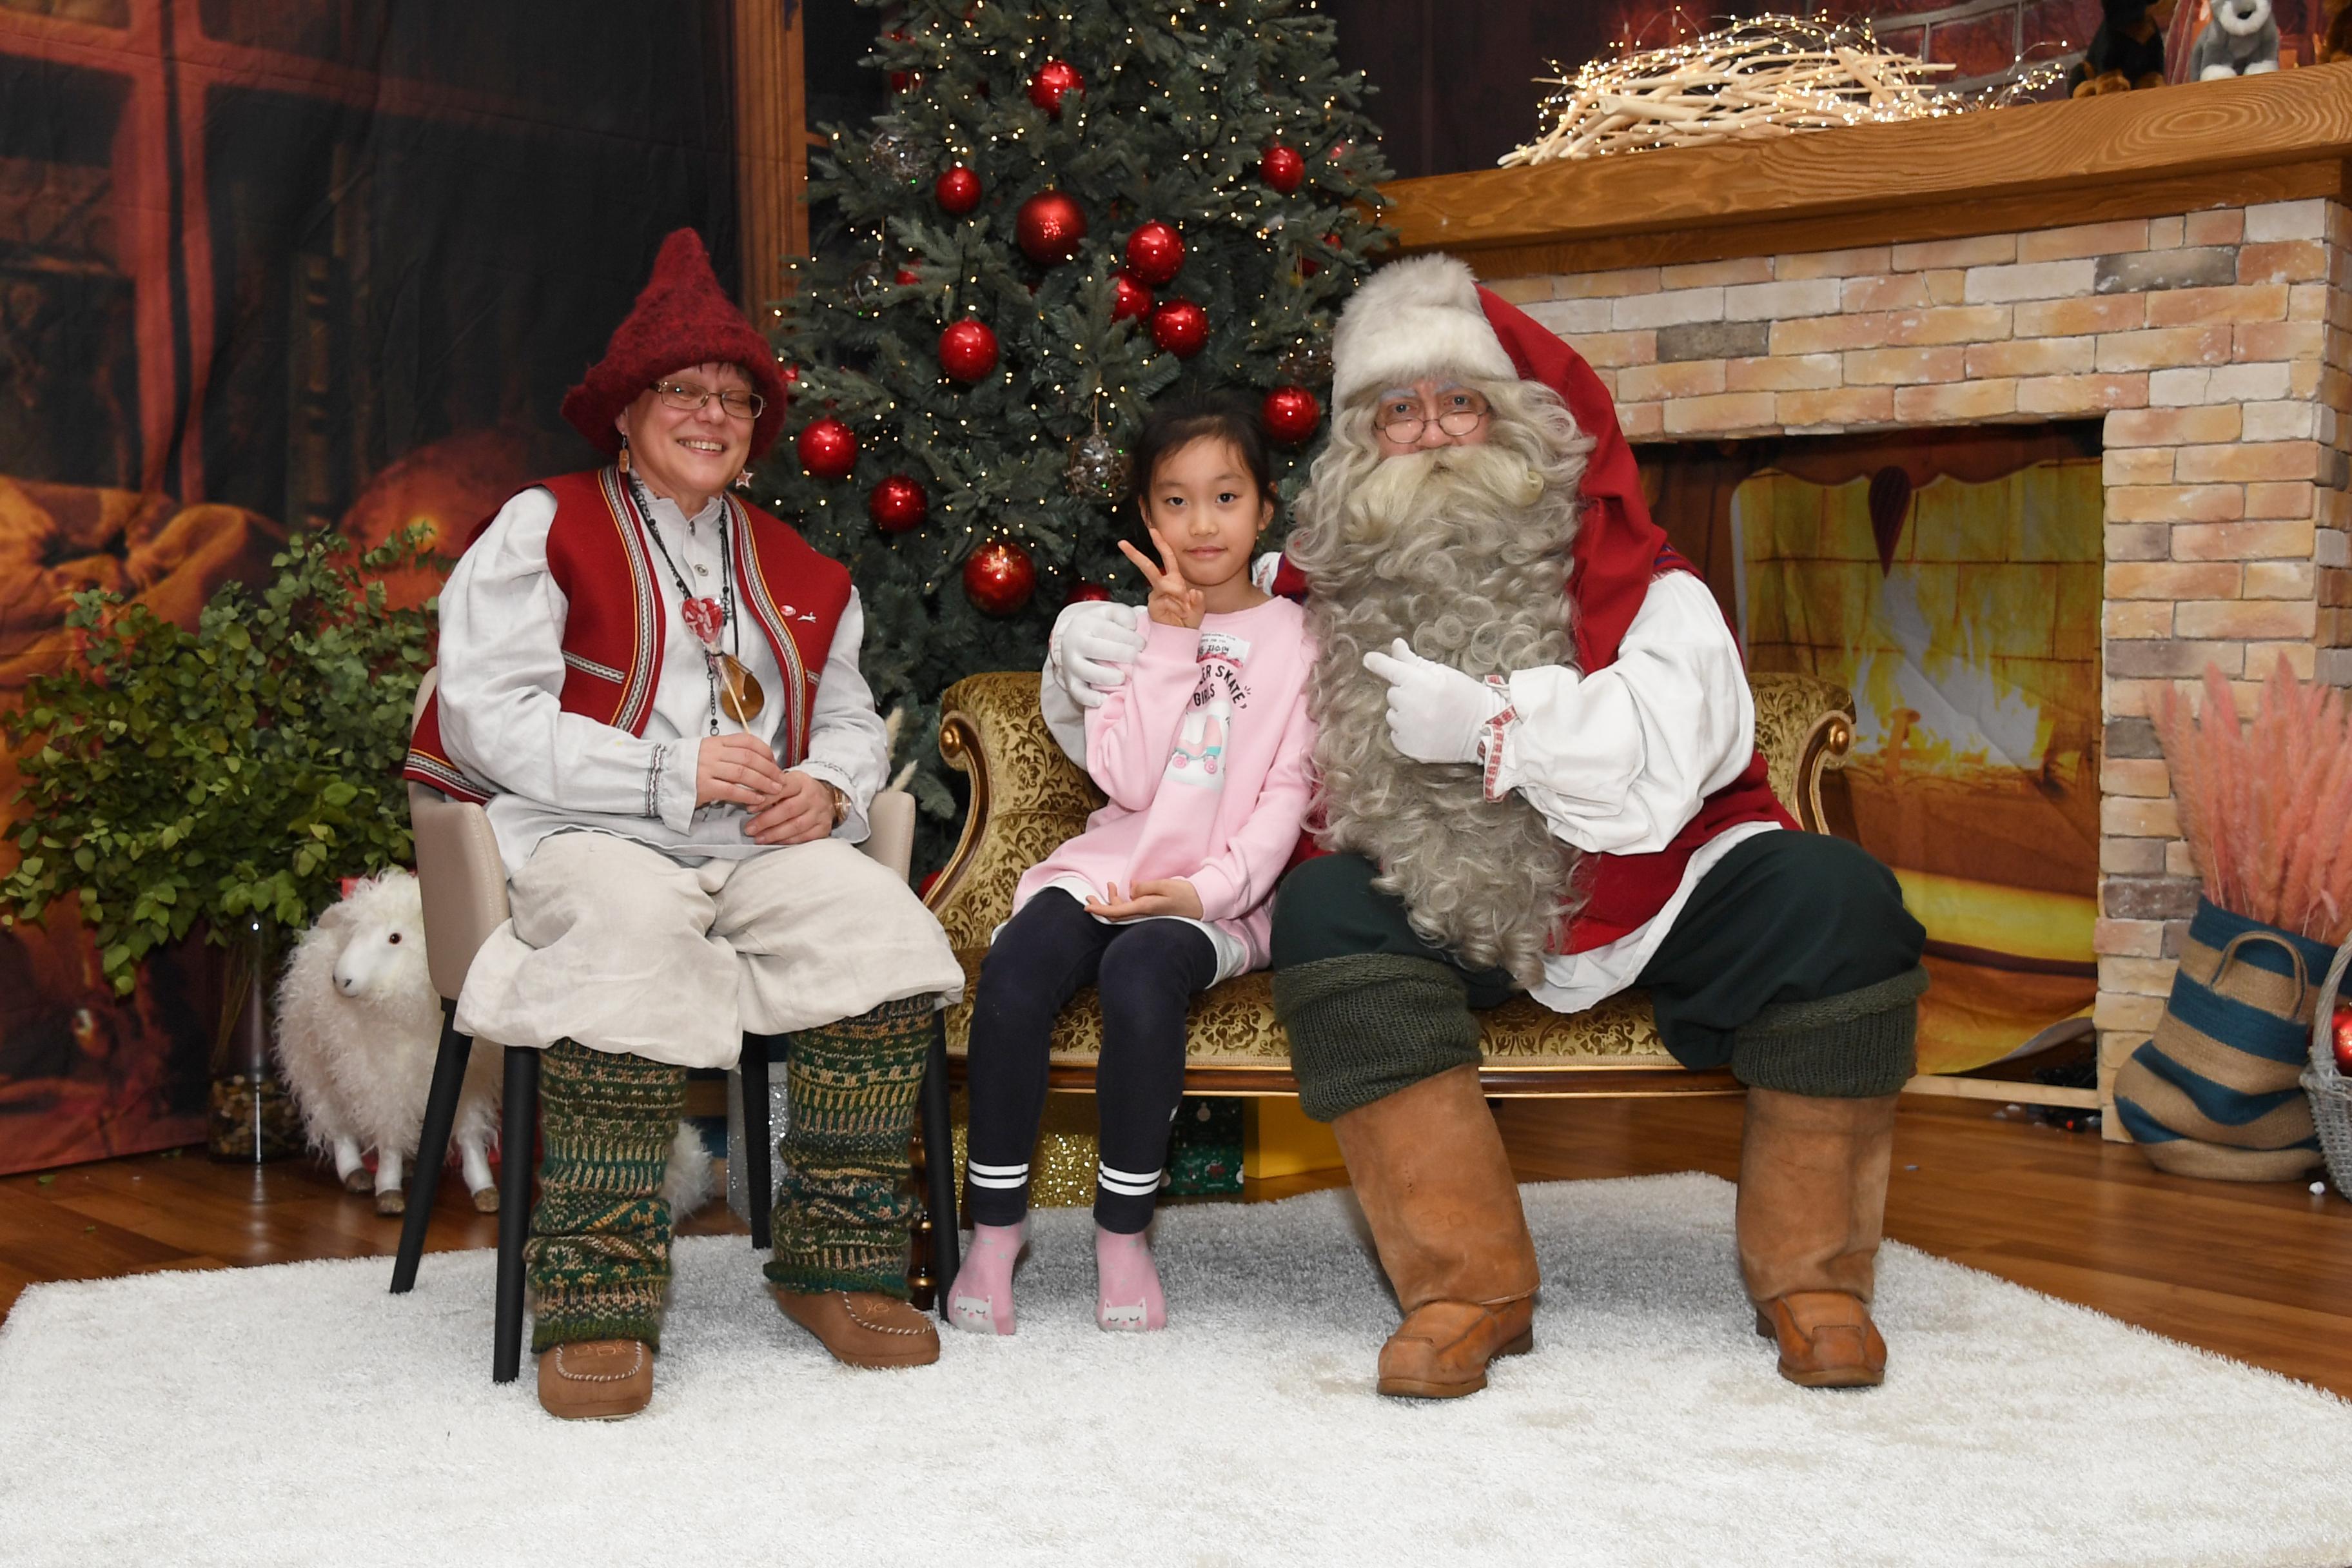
(1086, 593)
(1180, 327)
(957, 191)
(1049, 228)
(999, 577)
(828, 449)
(1053, 78)
(1128, 298)
(968, 350)
(791, 378)
(1290, 413)
(1155, 254)
(2342, 1023)
(897, 504)
(908, 276)
(1281, 168)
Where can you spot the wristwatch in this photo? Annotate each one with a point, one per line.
(840, 802)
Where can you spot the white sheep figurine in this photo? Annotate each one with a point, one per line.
(358, 1026)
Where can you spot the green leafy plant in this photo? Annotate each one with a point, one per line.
(236, 771)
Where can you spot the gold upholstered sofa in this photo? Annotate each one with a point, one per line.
(1027, 797)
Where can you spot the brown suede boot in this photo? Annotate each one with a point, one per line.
(1813, 1204)
(1436, 1188)
(863, 1328)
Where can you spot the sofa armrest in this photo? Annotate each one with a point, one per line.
(1804, 726)
(1027, 798)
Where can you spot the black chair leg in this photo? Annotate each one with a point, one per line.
(518, 1166)
(938, 1164)
(759, 1139)
(431, 1146)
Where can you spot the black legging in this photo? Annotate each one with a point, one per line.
(1147, 973)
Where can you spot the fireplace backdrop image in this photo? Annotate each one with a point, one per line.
(303, 265)
(1951, 582)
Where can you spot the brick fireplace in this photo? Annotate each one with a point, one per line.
(2055, 263)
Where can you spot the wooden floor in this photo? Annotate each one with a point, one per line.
(2262, 1273)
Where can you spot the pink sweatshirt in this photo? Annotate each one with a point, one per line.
(1204, 752)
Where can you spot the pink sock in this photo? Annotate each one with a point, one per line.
(981, 1297)
(1127, 1284)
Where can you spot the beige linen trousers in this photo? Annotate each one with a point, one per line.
(615, 946)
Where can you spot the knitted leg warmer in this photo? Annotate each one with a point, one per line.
(598, 1257)
(847, 1190)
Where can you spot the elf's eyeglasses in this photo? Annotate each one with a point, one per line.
(689, 398)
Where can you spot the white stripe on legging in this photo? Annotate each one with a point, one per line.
(1126, 1184)
(997, 1178)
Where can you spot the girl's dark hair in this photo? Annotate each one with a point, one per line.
(1181, 421)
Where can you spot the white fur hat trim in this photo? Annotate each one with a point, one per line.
(1411, 319)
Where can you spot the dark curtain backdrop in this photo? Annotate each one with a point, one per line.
(270, 265)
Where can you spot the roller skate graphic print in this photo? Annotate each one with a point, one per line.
(1198, 757)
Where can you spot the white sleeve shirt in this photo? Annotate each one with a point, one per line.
(501, 663)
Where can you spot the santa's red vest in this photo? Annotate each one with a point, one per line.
(615, 625)
(1618, 553)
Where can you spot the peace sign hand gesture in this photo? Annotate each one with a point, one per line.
(1173, 601)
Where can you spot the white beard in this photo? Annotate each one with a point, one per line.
(1464, 553)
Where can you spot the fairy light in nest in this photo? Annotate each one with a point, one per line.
(1758, 79)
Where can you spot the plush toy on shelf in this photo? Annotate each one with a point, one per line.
(2243, 40)
(2127, 51)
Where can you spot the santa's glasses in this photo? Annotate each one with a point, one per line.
(1402, 419)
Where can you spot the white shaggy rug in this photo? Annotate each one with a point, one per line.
(300, 1415)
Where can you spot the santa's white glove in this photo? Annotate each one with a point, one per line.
(1092, 645)
(1435, 712)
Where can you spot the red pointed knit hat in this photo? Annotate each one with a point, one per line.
(682, 318)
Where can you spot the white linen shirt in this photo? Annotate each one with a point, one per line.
(1617, 761)
(502, 721)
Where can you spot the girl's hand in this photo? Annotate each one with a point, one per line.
(1168, 896)
(1173, 601)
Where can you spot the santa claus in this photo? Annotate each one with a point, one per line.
(1539, 773)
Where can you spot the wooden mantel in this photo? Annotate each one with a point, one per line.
(2279, 137)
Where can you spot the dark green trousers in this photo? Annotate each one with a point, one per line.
(1793, 962)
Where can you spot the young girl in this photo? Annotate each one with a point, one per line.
(1204, 754)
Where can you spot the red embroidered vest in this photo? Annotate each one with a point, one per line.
(615, 627)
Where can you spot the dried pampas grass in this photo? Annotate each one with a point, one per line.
(2267, 806)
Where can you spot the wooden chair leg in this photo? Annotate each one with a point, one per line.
(518, 1163)
(431, 1146)
(939, 1165)
(759, 1139)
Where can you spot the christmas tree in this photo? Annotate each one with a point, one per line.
(1067, 213)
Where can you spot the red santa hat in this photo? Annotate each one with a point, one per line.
(1427, 316)
(682, 318)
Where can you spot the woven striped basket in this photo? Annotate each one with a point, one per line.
(2330, 1090)
(2216, 1092)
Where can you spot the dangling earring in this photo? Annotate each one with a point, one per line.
(624, 451)
(743, 480)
